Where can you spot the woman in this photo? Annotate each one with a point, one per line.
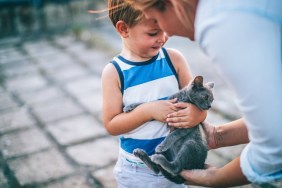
(243, 39)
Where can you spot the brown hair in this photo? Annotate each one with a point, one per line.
(144, 4)
(121, 10)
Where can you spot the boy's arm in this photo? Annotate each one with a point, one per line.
(115, 120)
(188, 115)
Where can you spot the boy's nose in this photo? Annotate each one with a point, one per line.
(163, 38)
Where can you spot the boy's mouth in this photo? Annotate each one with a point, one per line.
(156, 47)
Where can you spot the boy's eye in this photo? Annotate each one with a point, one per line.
(153, 34)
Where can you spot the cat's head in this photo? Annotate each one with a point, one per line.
(201, 94)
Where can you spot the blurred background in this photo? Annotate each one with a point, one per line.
(52, 53)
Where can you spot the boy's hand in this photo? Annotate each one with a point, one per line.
(160, 109)
(187, 116)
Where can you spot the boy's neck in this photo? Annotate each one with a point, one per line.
(133, 56)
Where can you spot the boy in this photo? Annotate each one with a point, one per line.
(144, 72)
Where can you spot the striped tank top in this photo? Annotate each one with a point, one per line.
(155, 79)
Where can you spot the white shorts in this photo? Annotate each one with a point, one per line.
(135, 175)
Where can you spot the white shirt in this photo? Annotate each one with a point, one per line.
(243, 39)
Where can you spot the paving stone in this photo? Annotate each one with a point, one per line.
(54, 61)
(3, 180)
(10, 54)
(15, 119)
(95, 59)
(38, 48)
(41, 95)
(26, 83)
(92, 102)
(2, 90)
(6, 101)
(106, 177)
(18, 68)
(76, 49)
(23, 142)
(86, 85)
(65, 41)
(216, 118)
(56, 109)
(230, 152)
(40, 167)
(216, 160)
(68, 73)
(71, 182)
(98, 153)
(76, 129)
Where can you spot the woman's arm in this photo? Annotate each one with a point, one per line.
(227, 176)
(115, 120)
(229, 134)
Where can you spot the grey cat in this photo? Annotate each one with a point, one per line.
(182, 149)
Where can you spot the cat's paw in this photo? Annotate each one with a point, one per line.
(131, 107)
(159, 149)
(140, 153)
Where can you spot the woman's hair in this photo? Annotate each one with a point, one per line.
(121, 10)
(144, 4)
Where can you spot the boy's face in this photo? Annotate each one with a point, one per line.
(146, 38)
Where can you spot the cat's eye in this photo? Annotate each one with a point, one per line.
(205, 97)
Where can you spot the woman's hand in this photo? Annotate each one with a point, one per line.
(199, 177)
(209, 131)
(187, 116)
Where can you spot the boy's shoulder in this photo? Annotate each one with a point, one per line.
(108, 69)
(173, 51)
(174, 54)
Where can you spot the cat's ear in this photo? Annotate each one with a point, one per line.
(198, 82)
(210, 85)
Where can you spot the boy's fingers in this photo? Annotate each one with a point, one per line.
(173, 100)
(181, 105)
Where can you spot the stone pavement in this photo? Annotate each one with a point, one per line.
(51, 134)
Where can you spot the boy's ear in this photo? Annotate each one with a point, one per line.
(122, 28)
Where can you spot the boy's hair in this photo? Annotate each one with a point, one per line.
(144, 4)
(120, 10)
